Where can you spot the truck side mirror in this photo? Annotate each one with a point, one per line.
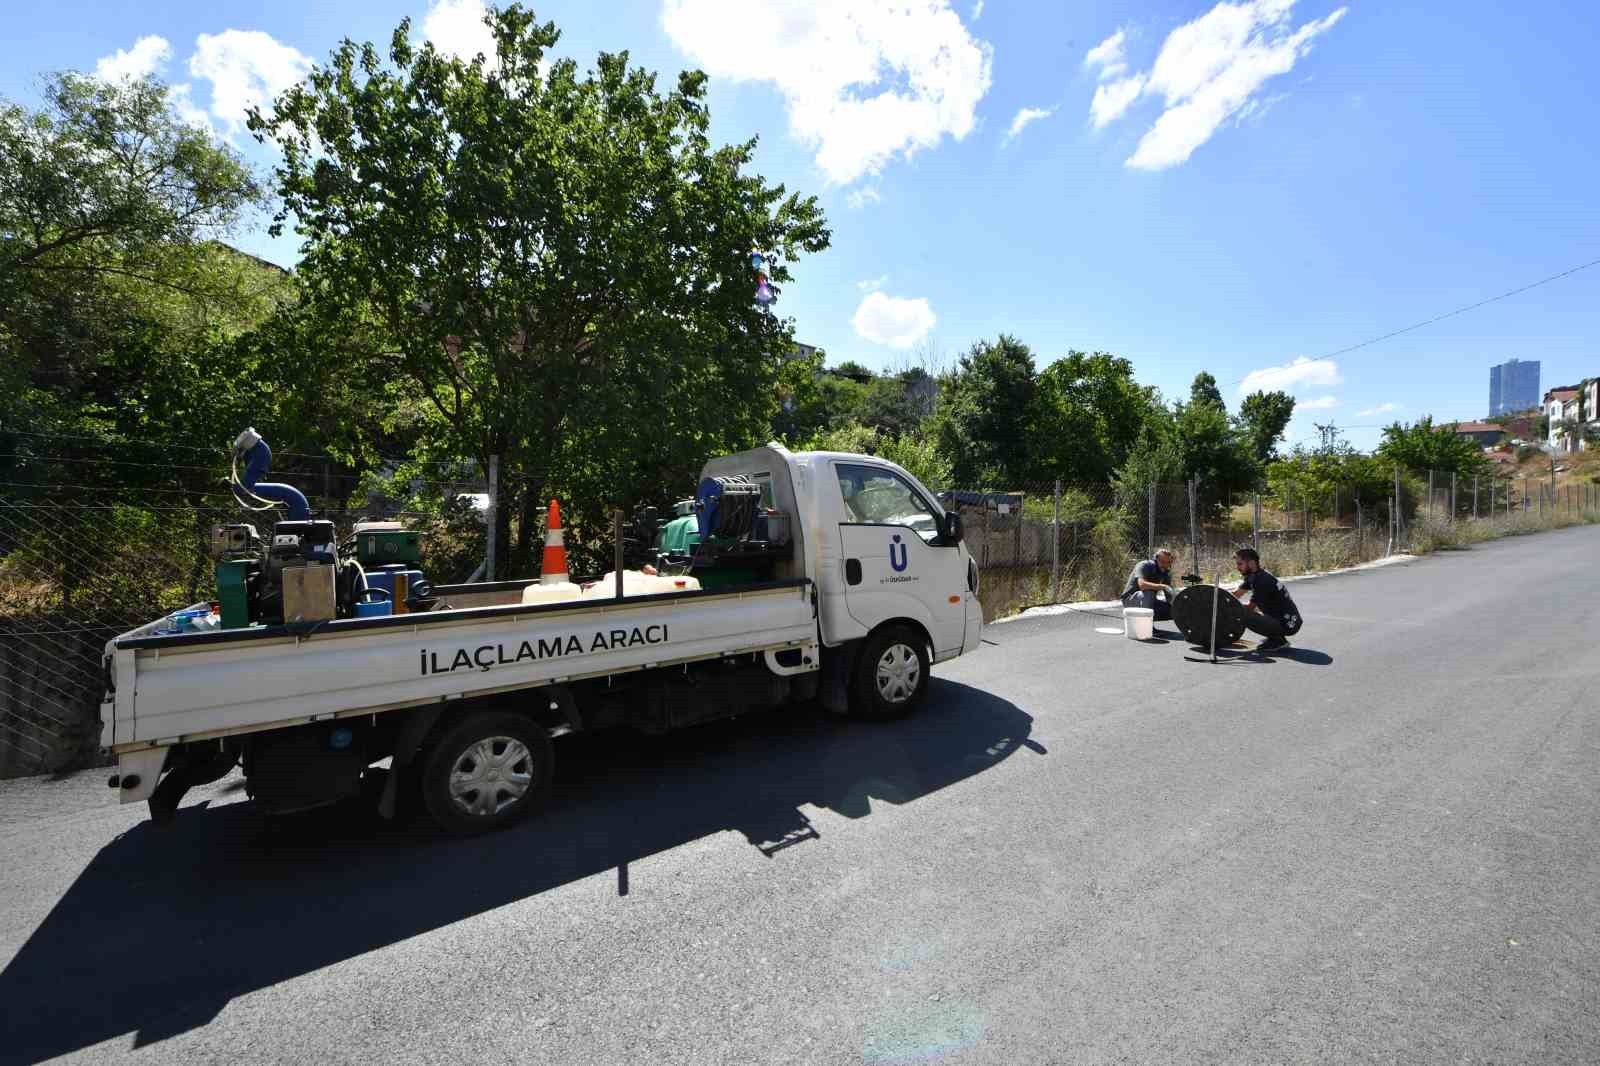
(950, 528)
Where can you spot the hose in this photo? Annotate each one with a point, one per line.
(239, 487)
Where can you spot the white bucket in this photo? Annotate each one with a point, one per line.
(1138, 623)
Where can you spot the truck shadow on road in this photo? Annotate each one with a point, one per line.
(166, 926)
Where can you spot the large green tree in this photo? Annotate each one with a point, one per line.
(114, 289)
(1204, 390)
(985, 419)
(558, 265)
(1422, 446)
(1091, 415)
(1263, 416)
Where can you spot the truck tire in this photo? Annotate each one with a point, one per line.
(485, 772)
(891, 673)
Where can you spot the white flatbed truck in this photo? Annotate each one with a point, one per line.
(465, 700)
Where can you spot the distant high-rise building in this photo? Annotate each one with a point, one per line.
(1513, 386)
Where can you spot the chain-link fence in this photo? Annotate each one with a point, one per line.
(1055, 543)
(80, 563)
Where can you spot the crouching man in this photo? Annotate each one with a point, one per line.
(1272, 611)
(1148, 581)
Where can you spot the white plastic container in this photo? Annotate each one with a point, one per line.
(556, 592)
(638, 583)
(1138, 623)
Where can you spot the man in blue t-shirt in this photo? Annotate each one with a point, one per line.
(1148, 578)
(1272, 611)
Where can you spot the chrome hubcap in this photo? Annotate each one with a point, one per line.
(898, 673)
(491, 775)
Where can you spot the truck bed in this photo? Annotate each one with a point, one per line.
(186, 687)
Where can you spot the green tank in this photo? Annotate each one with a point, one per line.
(679, 536)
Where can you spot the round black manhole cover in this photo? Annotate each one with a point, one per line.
(1191, 613)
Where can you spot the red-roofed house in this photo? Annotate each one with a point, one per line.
(1487, 434)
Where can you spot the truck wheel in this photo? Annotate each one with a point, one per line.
(487, 771)
(891, 673)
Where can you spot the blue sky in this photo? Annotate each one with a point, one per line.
(1228, 187)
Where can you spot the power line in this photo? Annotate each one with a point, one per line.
(1451, 314)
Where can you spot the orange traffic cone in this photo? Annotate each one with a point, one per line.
(553, 570)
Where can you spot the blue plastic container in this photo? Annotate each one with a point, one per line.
(378, 606)
(383, 578)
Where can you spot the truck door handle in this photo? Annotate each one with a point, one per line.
(852, 571)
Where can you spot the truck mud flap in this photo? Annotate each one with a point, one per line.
(834, 693)
(192, 770)
(417, 727)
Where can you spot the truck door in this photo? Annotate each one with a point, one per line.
(895, 565)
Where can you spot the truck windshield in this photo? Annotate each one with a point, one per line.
(880, 497)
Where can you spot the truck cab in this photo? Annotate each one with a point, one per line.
(883, 555)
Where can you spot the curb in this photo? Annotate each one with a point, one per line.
(1091, 606)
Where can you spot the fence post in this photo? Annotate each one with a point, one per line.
(1151, 543)
(1194, 537)
(1541, 501)
(1016, 541)
(1475, 496)
(494, 518)
(1394, 514)
(1305, 507)
(1055, 549)
(1525, 505)
(1452, 495)
(1255, 524)
(985, 561)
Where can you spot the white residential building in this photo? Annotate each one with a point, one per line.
(1559, 406)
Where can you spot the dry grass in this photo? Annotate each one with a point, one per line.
(1100, 575)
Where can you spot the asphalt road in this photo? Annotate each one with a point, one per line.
(1382, 848)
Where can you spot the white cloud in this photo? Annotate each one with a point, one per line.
(246, 68)
(1381, 409)
(890, 320)
(1321, 403)
(863, 83)
(1301, 373)
(977, 11)
(1112, 99)
(873, 284)
(1109, 55)
(456, 27)
(189, 112)
(148, 55)
(859, 198)
(1207, 71)
(1024, 117)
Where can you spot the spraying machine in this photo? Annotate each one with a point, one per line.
(301, 573)
(727, 534)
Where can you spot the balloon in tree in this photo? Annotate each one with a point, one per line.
(764, 293)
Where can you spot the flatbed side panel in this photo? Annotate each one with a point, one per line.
(205, 689)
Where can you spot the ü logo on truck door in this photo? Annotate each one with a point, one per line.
(898, 557)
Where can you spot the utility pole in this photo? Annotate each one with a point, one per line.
(1330, 437)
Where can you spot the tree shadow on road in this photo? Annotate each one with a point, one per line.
(166, 926)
